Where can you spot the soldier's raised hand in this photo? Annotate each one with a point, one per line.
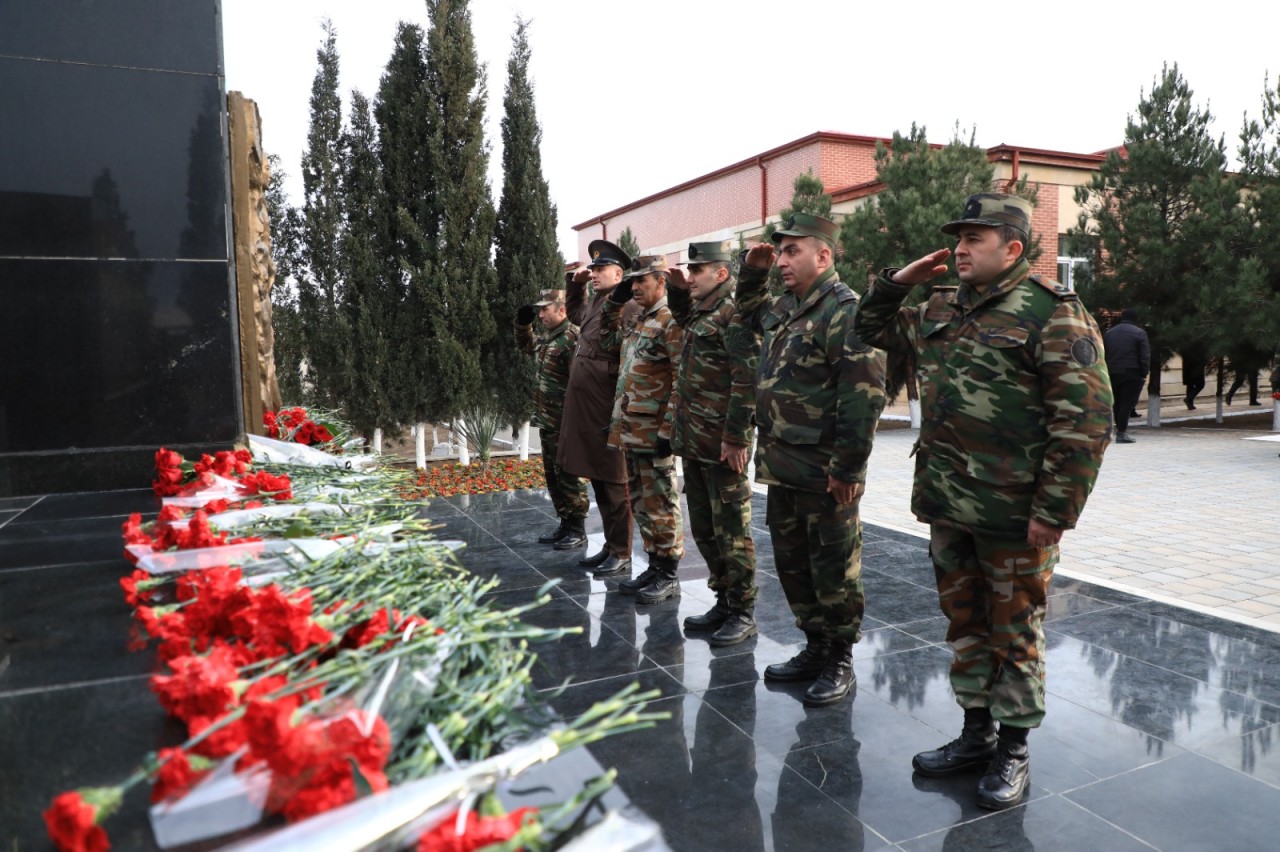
(676, 279)
(924, 269)
(526, 314)
(761, 255)
(581, 276)
(621, 294)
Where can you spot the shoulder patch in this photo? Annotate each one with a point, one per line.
(1084, 352)
(1057, 289)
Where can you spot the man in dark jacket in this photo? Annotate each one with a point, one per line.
(1128, 362)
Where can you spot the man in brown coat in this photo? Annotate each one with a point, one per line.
(588, 406)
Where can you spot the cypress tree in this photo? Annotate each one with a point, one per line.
(526, 258)
(1254, 316)
(1162, 212)
(627, 242)
(287, 255)
(369, 306)
(324, 328)
(461, 280)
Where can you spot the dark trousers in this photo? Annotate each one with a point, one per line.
(615, 515)
(1252, 377)
(1127, 391)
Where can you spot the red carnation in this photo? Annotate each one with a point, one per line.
(477, 831)
(73, 820)
(177, 774)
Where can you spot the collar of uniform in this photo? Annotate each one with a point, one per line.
(552, 332)
(969, 299)
(661, 303)
(817, 289)
(716, 296)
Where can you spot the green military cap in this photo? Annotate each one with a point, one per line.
(994, 209)
(604, 252)
(549, 297)
(808, 225)
(647, 263)
(708, 253)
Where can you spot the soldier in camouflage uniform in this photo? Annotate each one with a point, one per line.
(1016, 413)
(553, 353)
(819, 394)
(640, 427)
(711, 415)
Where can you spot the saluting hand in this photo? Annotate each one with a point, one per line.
(761, 255)
(676, 279)
(925, 269)
(581, 276)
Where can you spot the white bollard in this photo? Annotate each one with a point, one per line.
(377, 441)
(464, 449)
(1275, 416)
(524, 441)
(420, 445)
(913, 406)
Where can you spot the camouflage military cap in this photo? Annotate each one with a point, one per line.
(604, 252)
(647, 263)
(549, 297)
(994, 209)
(708, 253)
(807, 225)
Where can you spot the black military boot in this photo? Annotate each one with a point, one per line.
(837, 679)
(612, 566)
(635, 584)
(553, 536)
(806, 665)
(972, 750)
(664, 586)
(738, 627)
(712, 618)
(1008, 776)
(574, 536)
(596, 560)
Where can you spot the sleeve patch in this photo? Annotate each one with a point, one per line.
(1084, 352)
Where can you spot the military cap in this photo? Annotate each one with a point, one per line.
(708, 253)
(647, 263)
(604, 252)
(994, 209)
(807, 225)
(549, 297)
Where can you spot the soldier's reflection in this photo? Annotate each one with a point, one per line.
(968, 834)
(723, 773)
(842, 780)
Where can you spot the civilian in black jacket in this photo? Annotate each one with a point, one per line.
(1128, 362)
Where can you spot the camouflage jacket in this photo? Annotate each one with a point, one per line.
(820, 391)
(553, 353)
(1014, 394)
(650, 351)
(715, 395)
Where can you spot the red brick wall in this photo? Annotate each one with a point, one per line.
(1044, 223)
(845, 163)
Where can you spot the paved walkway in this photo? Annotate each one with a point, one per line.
(1187, 516)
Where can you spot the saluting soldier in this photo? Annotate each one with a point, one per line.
(712, 423)
(588, 405)
(553, 353)
(1015, 415)
(641, 428)
(819, 394)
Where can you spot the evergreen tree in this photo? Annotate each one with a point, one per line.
(369, 305)
(407, 220)
(287, 255)
(527, 258)
(1164, 216)
(627, 242)
(324, 327)
(1255, 315)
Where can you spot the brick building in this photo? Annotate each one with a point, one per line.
(740, 200)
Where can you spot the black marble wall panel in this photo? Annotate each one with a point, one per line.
(115, 268)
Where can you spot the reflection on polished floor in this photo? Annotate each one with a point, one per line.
(1161, 729)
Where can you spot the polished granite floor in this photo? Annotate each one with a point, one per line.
(1161, 729)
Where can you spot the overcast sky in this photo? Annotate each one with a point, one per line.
(634, 97)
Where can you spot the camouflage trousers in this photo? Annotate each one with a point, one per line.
(993, 593)
(817, 550)
(720, 520)
(655, 504)
(568, 492)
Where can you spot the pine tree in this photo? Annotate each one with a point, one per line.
(628, 243)
(1162, 213)
(527, 258)
(287, 255)
(369, 305)
(324, 327)
(1254, 317)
